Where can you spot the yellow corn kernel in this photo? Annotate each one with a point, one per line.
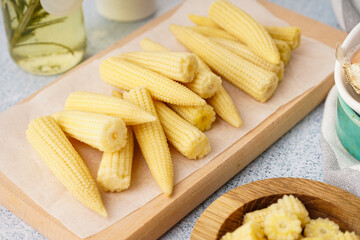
(179, 66)
(126, 75)
(113, 106)
(291, 35)
(152, 141)
(246, 53)
(213, 32)
(116, 93)
(205, 84)
(248, 231)
(284, 50)
(114, 174)
(245, 28)
(257, 82)
(202, 21)
(225, 107)
(50, 142)
(100, 131)
(187, 139)
(201, 116)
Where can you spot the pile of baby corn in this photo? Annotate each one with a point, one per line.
(170, 98)
(287, 219)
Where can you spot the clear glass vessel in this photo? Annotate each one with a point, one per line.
(41, 43)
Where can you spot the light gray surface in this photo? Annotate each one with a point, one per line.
(296, 154)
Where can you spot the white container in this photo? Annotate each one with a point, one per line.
(345, 90)
(126, 10)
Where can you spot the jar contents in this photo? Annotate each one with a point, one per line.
(42, 43)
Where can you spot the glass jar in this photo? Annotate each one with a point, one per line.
(42, 43)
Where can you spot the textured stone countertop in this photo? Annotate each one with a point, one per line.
(296, 154)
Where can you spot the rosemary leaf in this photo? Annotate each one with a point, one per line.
(45, 24)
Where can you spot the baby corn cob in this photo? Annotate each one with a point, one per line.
(257, 82)
(202, 21)
(187, 139)
(126, 75)
(201, 116)
(213, 32)
(284, 50)
(225, 107)
(113, 106)
(114, 174)
(50, 142)
(205, 84)
(291, 35)
(245, 28)
(100, 131)
(118, 94)
(152, 141)
(246, 53)
(175, 65)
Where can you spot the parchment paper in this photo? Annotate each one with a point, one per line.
(310, 63)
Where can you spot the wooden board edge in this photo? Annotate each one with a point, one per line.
(54, 231)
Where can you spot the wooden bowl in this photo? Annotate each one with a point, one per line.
(320, 199)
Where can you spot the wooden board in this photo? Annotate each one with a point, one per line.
(156, 217)
(320, 199)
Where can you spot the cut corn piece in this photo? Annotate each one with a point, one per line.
(187, 139)
(248, 231)
(213, 32)
(347, 236)
(152, 142)
(175, 65)
(116, 93)
(100, 131)
(202, 21)
(257, 82)
(50, 142)
(282, 225)
(225, 107)
(126, 75)
(113, 106)
(246, 53)
(284, 50)
(114, 174)
(291, 35)
(258, 216)
(320, 227)
(241, 25)
(201, 116)
(205, 84)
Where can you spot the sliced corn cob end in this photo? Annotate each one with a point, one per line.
(202, 21)
(280, 224)
(114, 174)
(201, 117)
(126, 75)
(179, 66)
(323, 228)
(100, 131)
(347, 236)
(113, 106)
(225, 107)
(291, 35)
(239, 24)
(152, 141)
(248, 231)
(257, 216)
(50, 142)
(284, 50)
(205, 83)
(186, 138)
(257, 82)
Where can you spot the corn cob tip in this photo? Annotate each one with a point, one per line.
(102, 211)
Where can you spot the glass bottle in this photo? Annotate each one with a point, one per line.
(42, 43)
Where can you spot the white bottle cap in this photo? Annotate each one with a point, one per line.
(60, 8)
(126, 10)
